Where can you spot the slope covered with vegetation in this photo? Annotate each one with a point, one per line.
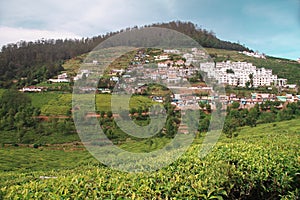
(262, 163)
(33, 62)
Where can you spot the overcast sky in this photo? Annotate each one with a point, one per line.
(271, 27)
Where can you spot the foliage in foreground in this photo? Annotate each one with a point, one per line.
(256, 165)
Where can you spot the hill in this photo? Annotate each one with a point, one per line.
(284, 68)
(32, 62)
(262, 163)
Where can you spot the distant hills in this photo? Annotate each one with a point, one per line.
(27, 63)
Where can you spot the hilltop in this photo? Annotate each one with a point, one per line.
(29, 63)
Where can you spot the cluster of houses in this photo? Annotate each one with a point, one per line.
(183, 100)
(175, 73)
(238, 74)
(164, 71)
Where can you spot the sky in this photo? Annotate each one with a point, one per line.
(270, 27)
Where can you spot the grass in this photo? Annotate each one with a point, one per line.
(12, 137)
(103, 102)
(40, 99)
(72, 66)
(24, 158)
(60, 104)
(145, 145)
(13, 159)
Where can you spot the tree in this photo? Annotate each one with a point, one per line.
(247, 84)
(109, 114)
(251, 79)
(170, 127)
(17, 111)
(203, 125)
(252, 116)
(132, 111)
(235, 105)
(202, 105)
(230, 127)
(208, 107)
(238, 82)
(102, 113)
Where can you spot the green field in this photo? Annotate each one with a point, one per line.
(261, 163)
(41, 99)
(53, 104)
(103, 102)
(60, 104)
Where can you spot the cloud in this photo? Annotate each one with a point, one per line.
(83, 17)
(246, 21)
(56, 18)
(13, 35)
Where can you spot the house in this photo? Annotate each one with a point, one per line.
(117, 71)
(59, 80)
(174, 51)
(161, 57)
(104, 90)
(32, 89)
(291, 86)
(179, 62)
(253, 54)
(62, 78)
(114, 78)
(165, 64)
(83, 72)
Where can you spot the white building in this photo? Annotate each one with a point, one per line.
(32, 89)
(174, 51)
(254, 54)
(83, 72)
(162, 57)
(62, 78)
(237, 73)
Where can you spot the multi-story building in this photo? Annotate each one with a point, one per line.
(238, 74)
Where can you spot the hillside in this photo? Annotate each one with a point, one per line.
(32, 62)
(284, 68)
(29, 63)
(262, 163)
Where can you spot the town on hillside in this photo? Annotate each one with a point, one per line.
(183, 73)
